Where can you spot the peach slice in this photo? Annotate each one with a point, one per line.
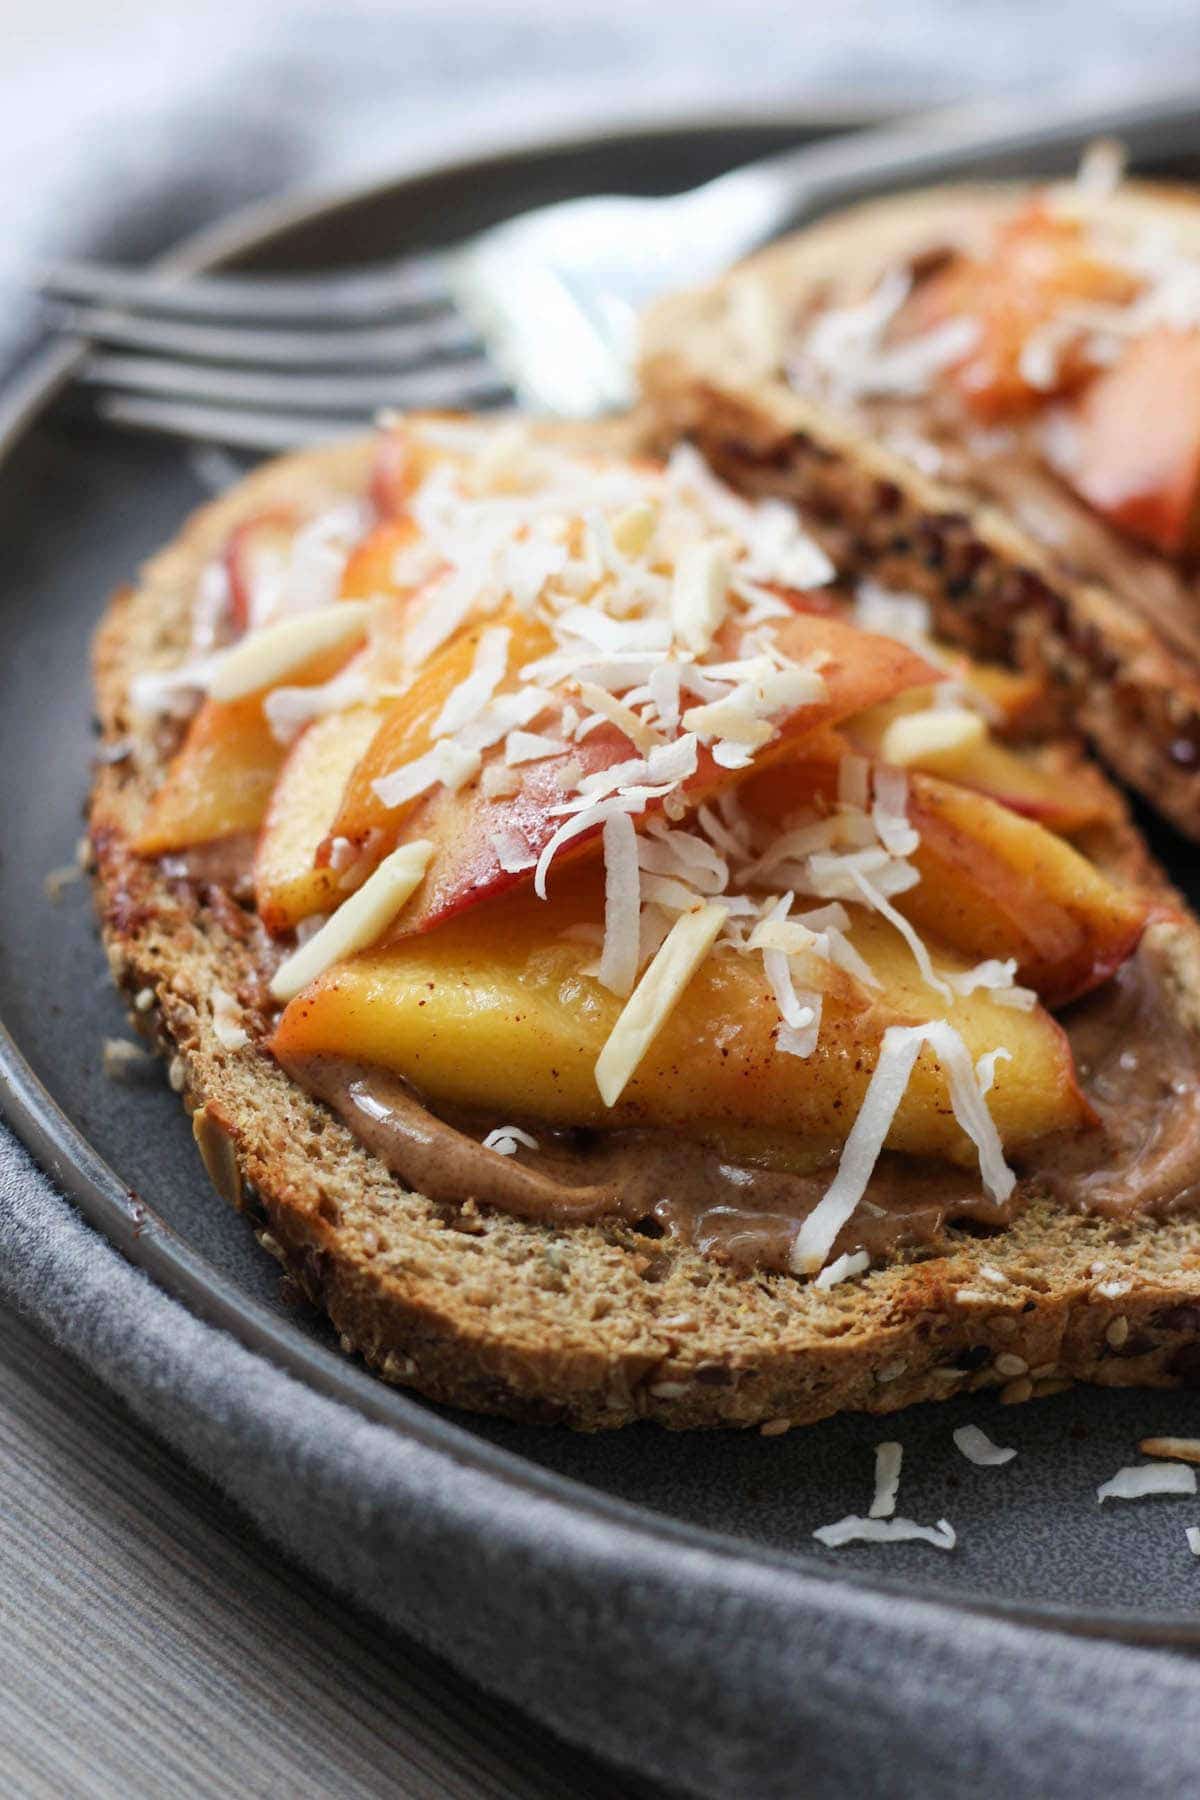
(1018, 698)
(1032, 783)
(288, 884)
(370, 567)
(401, 463)
(257, 553)
(1038, 264)
(1026, 780)
(993, 883)
(221, 777)
(406, 730)
(1136, 442)
(219, 782)
(996, 884)
(858, 668)
(496, 1011)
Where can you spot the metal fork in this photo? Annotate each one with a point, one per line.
(543, 307)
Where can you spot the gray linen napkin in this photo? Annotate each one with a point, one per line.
(694, 1666)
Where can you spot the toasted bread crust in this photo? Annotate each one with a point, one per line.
(1129, 678)
(594, 1325)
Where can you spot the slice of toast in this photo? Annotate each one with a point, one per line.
(595, 1325)
(1013, 566)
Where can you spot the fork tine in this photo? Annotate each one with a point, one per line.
(219, 425)
(399, 346)
(466, 383)
(415, 283)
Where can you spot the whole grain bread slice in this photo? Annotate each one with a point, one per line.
(1125, 659)
(593, 1325)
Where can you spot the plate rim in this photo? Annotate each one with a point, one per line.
(129, 1223)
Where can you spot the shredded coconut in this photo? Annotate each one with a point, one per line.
(505, 1139)
(1143, 1479)
(843, 1268)
(897, 1056)
(888, 1457)
(978, 1447)
(622, 905)
(853, 1530)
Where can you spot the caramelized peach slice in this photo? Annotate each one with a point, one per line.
(406, 731)
(221, 777)
(993, 884)
(1026, 780)
(1136, 455)
(256, 559)
(859, 669)
(1039, 264)
(1067, 800)
(496, 1011)
(287, 882)
(371, 566)
(996, 884)
(400, 465)
(219, 782)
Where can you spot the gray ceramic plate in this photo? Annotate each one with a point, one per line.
(78, 513)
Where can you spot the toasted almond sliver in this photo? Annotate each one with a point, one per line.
(359, 921)
(655, 997)
(265, 657)
(938, 732)
(1173, 1448)
(700, 594)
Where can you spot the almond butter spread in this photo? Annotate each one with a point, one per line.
(1139, 1068)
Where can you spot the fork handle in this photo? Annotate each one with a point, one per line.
(759, 200)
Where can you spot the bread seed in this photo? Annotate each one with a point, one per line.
(218, 1155)
(1044, 1371)
(1016, 1392)
(1009, 1364)
(1117, 1331)
(774, 1428)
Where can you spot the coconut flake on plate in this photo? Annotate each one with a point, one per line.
(854, 1530)
(1144, 1479)
(978, 1447)
(888, 1458)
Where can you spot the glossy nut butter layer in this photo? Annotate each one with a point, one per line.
(622, 858)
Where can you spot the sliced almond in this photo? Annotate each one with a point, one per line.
(266, 657)
(1173, 1448)
(700, 594)
(359, 921)
(633, 528)
(655, 997)
(936, 736)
